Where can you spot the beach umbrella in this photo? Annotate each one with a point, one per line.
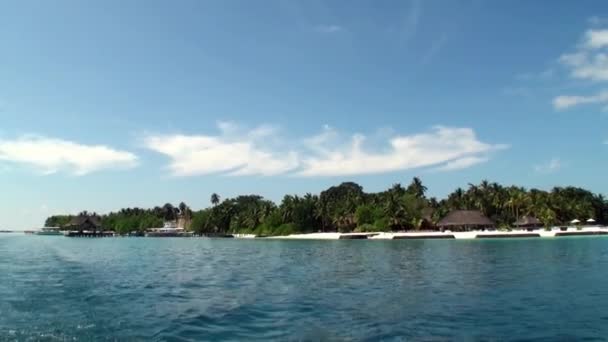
(575, 221)
(590, 220)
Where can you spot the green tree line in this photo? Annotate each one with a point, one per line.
(130, 219)
(346, 208)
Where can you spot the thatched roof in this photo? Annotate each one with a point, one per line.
(527, 221)
(465, 218)
(81, 220)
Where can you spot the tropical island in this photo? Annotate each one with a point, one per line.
(346, 208)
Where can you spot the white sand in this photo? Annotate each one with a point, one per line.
(457, 235)
(310, 236)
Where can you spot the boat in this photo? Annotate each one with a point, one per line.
(168, 232)
(169, 229)
(49, 231)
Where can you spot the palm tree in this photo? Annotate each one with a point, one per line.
(287, 208)
(456, 199)
(547, 217)
(182, 208)
(215, 199)
(168, 212)
(394, 210)
(416, 188)
(397, 189)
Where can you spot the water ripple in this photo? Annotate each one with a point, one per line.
(60, 289)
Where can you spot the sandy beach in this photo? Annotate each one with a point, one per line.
(446, 234)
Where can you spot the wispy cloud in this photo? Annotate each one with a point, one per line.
(411, 20)
(550, 166)
(597, 21)
(434, 49)
(588, 62)
(328, 153)
(234, 154)
(49, 155)
(566, 101)
(541, 76)
(439, 147)
(329, 28)
(462, 163)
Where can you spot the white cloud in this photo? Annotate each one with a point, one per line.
(235, 154)
(325, 154)
(566, 101)
(596, 39)
(440, 146)
(590, 60)
(591, 66)
(551, 166)
(462, 163)
(329, 28)
(50, 155)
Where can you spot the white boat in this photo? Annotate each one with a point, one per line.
(49, 231)
(169, 229)
(167, 232)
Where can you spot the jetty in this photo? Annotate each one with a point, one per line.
(89, 233)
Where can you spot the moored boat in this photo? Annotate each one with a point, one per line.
(49, 231)
(170, 229)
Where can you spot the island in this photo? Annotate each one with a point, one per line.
(347, 211)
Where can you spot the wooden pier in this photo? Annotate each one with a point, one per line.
(419, 237)
(581, 233)
(90, 234)
(507, 235)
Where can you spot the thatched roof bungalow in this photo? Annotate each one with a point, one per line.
(464, 220)
(527, 222)
(82, 223)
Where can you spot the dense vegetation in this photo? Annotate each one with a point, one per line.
(347, 208)
(130, 219)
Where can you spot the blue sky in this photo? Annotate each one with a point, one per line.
(111, 104)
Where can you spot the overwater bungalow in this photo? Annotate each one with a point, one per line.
(82, 223)
(464, 220)
(527, 222)
(86, 226)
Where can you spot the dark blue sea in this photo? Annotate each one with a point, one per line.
(54, 288)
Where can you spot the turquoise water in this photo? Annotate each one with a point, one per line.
(56, 288)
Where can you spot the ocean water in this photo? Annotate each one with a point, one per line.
(58, 289)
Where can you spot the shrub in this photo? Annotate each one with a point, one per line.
(365, 228)
(262, 229)
(382, 224)
(364, 214)
(285, 229)
(345, 229)
(274, 219)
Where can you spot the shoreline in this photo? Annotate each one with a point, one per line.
(427, 235)
(476, 234)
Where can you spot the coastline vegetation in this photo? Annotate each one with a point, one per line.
(347, 208)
